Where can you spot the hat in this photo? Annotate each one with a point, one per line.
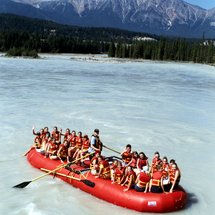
(86, 136)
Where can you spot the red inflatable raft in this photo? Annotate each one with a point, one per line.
(113, 193)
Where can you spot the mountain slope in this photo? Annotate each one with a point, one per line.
(167, 17)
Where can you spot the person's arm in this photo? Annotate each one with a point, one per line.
(130, 161)
(137, 179)
(147, 185)
(33, 130)
(125, 181)
(176, 177)
(50, 152)
(123, 152)
(162, 184)
(114, 180)
(138, 164)
(100, 171)
(92, 142)
(147, 163)
(58, 153)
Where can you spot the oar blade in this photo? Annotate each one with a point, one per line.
(88, 183)
(22, 185)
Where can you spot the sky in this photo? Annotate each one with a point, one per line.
(206, 4)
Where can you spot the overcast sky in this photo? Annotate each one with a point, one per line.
(206, 4)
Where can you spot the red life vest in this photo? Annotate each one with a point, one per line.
(172, 176)
(56, 135)
(78, 142)
(134, 163)
(156, 178)
(64, 151)
(105, 165)
(141, 163)
(126, 157)
(66, 136)
(72, 141)
(165, 173)
(119, 174)
(91, 162)
(155, 162)
(143, 179)
(53, 147)
(133, 177)
(85, 144)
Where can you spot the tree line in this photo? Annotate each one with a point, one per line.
(19, 43)
(178, 50)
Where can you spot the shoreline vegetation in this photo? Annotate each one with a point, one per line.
(28, 45)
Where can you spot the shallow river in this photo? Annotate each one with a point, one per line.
(154, 106)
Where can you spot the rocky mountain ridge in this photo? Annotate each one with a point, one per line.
(167, 17)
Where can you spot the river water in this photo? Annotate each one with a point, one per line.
(154, 106)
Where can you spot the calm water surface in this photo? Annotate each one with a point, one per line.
(154, 106)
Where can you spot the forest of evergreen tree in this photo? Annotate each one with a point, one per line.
(17, 43)
(178, 50)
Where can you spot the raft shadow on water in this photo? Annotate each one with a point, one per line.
(191, 199)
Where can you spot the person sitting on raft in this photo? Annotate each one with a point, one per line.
(62, 153)
(66, 135)
(39, 134)
(104, 168)
(134, 160)
(175, 176)
(52, 149)
(37, 144)
(156, 183)
(113, 166)
(72, 149)
(79, 142)
(165, 166)
(142, 181)
(155, 162)
(84, 148)
(127, 156)
(94, 163)
(56, 134)
(130, 179)
(46, 131)
(44, 141)
(118, 173)
(142, 162)
(95, 143)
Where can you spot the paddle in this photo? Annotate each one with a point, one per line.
(111, 149)
(24, 184)
(85, 181)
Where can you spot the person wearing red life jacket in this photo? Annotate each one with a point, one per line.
(127, 156)
(84, 148)
(142, 182)
(52, 149)
(66, 135)
(155, 162)
(113, 166)
(79, 142)
(104, 168)
(118, 173)
(134, 160)
(156, 182)
(130, 179)
(165, 166)
(72, 149)
(142, 162)
(175, 177)
(62, 153)
(46, 131)
(56, 134)
(94, 163)
(37, 140)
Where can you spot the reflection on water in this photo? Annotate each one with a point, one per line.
(165, 107)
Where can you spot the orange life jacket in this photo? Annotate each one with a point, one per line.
(91, 162)
(105, 165)
(134, 163)
(56, 135)
(119, 174)
(73, 141)
(155, 162)
(172, 176)
(79, 142)
(141, 163)
(64, 151)
(133, 177)
(156, 178)
(66, 136)
(126, 157)
(53, 147)
(85, 144)
(143, 179)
